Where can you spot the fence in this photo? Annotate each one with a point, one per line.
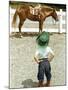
(49, 25)
(62, 21)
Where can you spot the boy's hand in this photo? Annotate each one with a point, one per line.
(37, 60)
(50, 57)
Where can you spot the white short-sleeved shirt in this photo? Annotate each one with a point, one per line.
(42, 52)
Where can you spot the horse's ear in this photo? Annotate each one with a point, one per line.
(53, 10)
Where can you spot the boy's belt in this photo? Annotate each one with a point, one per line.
(43, 58)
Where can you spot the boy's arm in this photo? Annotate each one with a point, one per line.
(50, 57)
(35, 58)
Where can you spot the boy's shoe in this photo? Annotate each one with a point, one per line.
(40, 84)
(47, 84)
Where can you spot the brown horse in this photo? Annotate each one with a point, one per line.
(38, 13)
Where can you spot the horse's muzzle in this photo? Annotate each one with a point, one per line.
(57, 19)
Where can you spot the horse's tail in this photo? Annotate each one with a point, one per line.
(14, 19)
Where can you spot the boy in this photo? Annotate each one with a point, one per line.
(43, 56)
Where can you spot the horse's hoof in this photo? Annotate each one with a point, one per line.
(20, 36)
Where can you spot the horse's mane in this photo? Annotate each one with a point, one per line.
(48, 7)
(23, 6)
(27, 6)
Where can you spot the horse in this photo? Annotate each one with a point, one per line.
(37, 13)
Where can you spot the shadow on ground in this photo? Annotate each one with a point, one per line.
(23, 34)
(29, 83)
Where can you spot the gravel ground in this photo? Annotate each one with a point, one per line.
(23, 68)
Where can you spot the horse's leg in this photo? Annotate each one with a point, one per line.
(20, 25)
(40, 26)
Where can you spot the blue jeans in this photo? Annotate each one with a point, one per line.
(44, 68)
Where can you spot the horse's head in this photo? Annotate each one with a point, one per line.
(54, 15)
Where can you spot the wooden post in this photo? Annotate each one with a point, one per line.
(60, 22)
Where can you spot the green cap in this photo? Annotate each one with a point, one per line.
(43, 39)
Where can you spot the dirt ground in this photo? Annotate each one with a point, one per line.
(23, 68)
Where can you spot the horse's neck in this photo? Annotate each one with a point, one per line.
(47, 11)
